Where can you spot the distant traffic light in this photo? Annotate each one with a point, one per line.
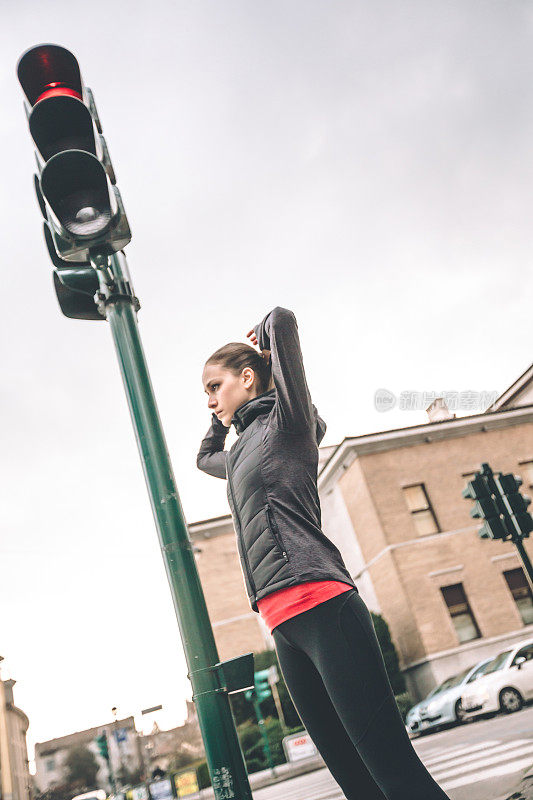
(83, 210)
(101, 743)
(261, 688)
(485, 508)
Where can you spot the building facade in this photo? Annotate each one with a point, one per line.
(14, 753)
(165, 750)
(125, 755)
(392, 503)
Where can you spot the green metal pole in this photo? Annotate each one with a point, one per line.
(224, 755)
(516, 534)
(528, 569)
(261, 723)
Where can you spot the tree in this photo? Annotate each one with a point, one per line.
(81, 769)
(390, 656)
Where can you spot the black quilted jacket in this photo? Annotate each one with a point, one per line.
(272, 473)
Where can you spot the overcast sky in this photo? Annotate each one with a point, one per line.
(367, 165)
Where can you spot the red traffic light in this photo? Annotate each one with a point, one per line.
(48, 70)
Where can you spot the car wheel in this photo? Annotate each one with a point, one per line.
(510, 700)
(460, 713)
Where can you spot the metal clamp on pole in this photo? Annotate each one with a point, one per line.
(234, 675)
(204, 681)
(129, 298)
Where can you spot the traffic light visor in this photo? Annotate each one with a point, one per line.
(57, 261)
(77, 304)
(48, 70)
(75, 186)
(476, 488)
(62, 123)
(39, 195)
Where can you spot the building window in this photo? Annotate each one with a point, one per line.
(50, 764)
(421, 511)
(526, 473)
(463, 620)
(519, 587)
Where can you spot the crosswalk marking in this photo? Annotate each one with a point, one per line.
(467, 754)
(485, 774)
(452, 768)
(457, 751)
(461, 766)
(481, 762)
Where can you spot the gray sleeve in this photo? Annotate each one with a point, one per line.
(211, 457)
(278, 332)
(320, 426)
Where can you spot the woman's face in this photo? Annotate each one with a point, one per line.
(226, 392)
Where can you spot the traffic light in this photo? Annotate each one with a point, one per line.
(485, 508)
(75, 186)
(518, 503)
(261, 686)
(101, 743)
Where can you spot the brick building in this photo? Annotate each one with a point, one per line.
(391, 501)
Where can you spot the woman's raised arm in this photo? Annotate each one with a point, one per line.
(211, 457)
(278, 332)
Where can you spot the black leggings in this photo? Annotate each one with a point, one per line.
(334, 670)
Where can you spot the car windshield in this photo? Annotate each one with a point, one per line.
(498, 662)
(458, 678)
(434, 691)
(479, 671)
(447, 684)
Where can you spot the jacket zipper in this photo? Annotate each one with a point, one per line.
(243, 546)
(275, 533)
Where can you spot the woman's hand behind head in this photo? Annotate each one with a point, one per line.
(253, 338)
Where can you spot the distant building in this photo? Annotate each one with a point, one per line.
(163, 748)
(16, 727)
(124, 752)
(391, 501)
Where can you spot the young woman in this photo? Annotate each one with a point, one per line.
(294, 575)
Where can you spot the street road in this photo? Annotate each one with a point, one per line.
(482, 760)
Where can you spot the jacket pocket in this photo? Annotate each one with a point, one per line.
(275, 532)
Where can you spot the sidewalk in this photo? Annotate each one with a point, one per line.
(524, 789)
(266, 777)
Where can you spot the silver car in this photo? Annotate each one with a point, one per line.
(443, 706)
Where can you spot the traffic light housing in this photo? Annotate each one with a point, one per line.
(75, 185)
(262, 685)
(261, 688)
(101, 743)
(518, 503)
(485, 508)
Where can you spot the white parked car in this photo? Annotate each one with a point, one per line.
(442, 706)
(506, 684)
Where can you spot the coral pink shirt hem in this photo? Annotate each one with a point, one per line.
(280, 606)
